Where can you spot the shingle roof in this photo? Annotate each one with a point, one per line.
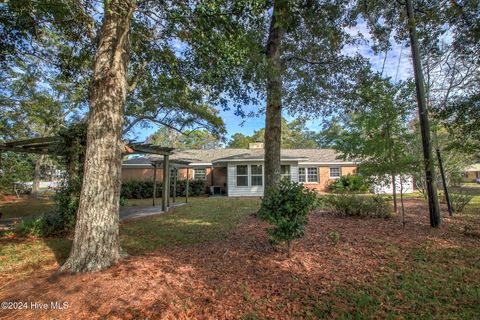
(224, 155)
(474, 167)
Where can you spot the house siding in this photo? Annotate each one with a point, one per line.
(324, 176)
(225, 177)
(247, 191)
(142, 174)
(252, 191)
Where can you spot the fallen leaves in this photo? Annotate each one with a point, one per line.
(242, 275)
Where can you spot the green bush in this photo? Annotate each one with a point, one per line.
(67, 199)
(459, 200)
(334, 237)
(354, 205)
(286, 206)
(123, 201)
(349, 183)
(46, 225)
(138, 189)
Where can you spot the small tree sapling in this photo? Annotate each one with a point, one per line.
(286, 206)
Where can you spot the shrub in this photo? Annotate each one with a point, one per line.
(195, 187)
(459, 201)
(43, 226)
(138, 189)
(286, 206)
(67, 199)
(354, 205)
(349, 183)
(123, 201)
(334, 237)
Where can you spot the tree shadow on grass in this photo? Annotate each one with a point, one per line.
(60, 247)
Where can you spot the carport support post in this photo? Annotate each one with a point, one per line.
(174, 183)
(186, 189)
(165, 183)
(168, 183)
(154, 183)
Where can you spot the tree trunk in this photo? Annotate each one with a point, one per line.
(273, 117)
(37, 176)
(424, 124)
(401, 202)
(290, 248)
(444, 182)
(394, 193)
(96, 243)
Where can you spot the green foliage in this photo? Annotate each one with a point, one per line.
(123, 201)
(286, 206)
(377, 132)
(46, 225)
(71, 150)
(15, 168)
(459, 200)
(295, 134)
(139, 189)
(354, 205)
(349, 183)
(334, 237)
(197, 139)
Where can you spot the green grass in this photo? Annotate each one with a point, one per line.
(22, 257)
(201, 220)
(433, 284)
(26, 206)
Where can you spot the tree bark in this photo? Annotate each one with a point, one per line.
(394, 193)
(289, 248)
(273, 117)
(444, 182)
(424, 124)
(96, 243)
(37, 176)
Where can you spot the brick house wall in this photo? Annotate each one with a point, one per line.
(325, 180)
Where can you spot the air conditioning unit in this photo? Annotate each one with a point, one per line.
(215, 190)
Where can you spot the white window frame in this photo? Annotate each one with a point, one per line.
(256, 175)
(339, 172)
(286, 175)
(306, 174)
(204, 174)
(242, 175)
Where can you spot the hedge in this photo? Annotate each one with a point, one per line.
(137, 189)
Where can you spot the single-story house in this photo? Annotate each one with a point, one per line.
(472, 173)
(240, 172)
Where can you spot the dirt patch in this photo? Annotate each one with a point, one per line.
(243, 275)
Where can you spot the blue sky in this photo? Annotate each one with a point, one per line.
(396, 57)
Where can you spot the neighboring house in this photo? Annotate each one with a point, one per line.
(240, 172)
(402, 183)
(472, 173)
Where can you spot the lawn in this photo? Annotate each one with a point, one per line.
(212, 259)
(199, 221)
(25, 206)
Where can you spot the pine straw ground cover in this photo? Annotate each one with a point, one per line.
(376, 270)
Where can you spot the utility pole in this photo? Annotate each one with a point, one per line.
(423, 116)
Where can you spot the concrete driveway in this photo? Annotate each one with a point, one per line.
(139, 212)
